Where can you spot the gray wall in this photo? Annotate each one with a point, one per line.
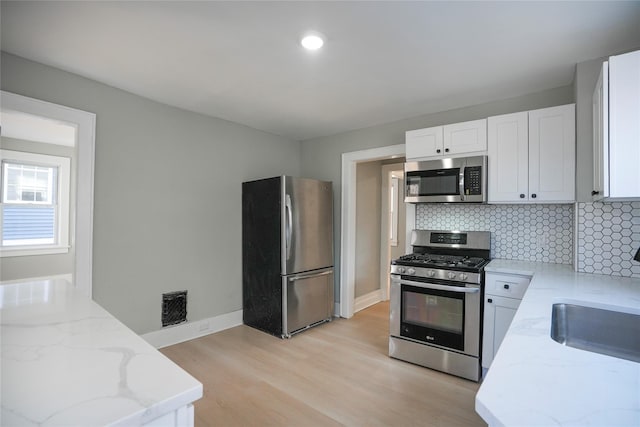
(167, 194)
(368, 199)
(322, 157)
(12, 268)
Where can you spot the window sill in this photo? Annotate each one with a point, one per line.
(16, 251)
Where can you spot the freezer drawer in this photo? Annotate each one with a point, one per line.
(307, 300)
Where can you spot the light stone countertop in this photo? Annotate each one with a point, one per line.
(66, 361)
(533, 380)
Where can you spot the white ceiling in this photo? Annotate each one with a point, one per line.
(382, 61)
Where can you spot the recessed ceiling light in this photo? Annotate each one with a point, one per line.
(312, 41)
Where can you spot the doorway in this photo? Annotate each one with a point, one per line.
(350, 162)
(24, 110)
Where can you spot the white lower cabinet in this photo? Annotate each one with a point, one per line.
(503, 293)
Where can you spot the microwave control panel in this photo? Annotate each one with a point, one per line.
(473, 180)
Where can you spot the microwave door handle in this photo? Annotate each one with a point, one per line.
(461, 183)
(459, 289)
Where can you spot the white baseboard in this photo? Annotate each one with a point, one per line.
(367, 300)
(190, 330)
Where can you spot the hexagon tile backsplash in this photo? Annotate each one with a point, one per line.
(608, 233)
(541, 233)
(608, 236)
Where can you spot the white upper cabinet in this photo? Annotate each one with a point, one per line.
(424, 143)
(617, 129)
(447, 141)
(532, 156)
(466, 137)
(601, 136)
(508, 157)
(552, 154)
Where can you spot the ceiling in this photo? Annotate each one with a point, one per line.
(382, 61)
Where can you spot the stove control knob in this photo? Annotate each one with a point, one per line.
(411, 271)
(463, 276)
(431, 273)
(451, 276)
(400, 270)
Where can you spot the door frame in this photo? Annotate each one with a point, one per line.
(348, 218)
(85, 149)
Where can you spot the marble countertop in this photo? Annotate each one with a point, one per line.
(66, 361)
(533, 380)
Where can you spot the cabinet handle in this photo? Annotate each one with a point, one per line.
(446, 150)
(533, 196)
(438, 150)
(522, 196)
(506, 286)
(489, 300)
(594, 192)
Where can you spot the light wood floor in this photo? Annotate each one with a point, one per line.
(334, 374)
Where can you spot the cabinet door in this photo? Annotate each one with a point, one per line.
(498, 314)
(601, 135)
(508, 146)
(624, 125)
(552, 149)
(466, 137)
(422, 143)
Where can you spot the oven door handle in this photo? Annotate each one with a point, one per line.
(459, 289)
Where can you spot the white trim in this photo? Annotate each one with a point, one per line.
(86, 123)
(348, 218)
(385, 243)
(368, 300)
(67, 277)
(191, 330)
(8, 251)
(336, 309)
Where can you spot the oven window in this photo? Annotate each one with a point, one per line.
(433, 311)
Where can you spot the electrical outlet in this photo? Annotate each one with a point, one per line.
(542, 241)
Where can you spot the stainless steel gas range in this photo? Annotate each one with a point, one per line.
(436, 301)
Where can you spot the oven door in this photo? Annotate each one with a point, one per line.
(436, 313)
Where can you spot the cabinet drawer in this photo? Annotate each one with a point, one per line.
(506, 285)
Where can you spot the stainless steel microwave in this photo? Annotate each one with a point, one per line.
(456, 180)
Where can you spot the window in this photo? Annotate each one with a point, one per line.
(35, 203)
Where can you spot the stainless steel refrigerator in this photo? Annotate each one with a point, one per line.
(287, 254)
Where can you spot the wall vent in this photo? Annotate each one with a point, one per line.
(174, 308)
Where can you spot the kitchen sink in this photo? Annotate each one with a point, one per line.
(598, 330)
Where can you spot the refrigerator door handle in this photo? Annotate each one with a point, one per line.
(311, 274)
(289, 225)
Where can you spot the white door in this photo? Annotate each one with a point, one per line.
(424, 143)
(552, 149)
(498, 314)
(601, 135)
(508, 158)
(624, 125)
(466, 137)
